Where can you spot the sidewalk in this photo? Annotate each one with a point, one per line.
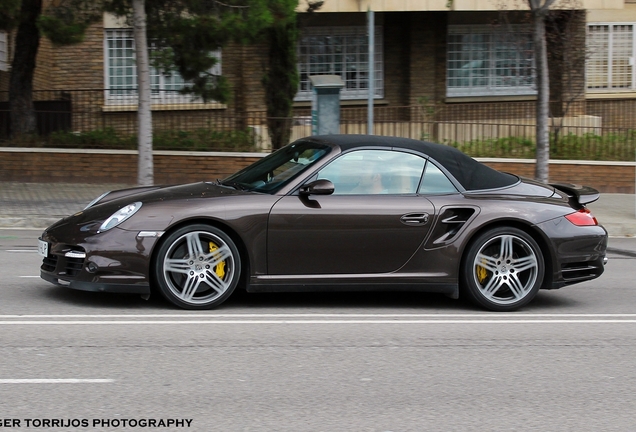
(38, 205)
(617, 213)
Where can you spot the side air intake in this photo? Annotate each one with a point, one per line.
(449, 224)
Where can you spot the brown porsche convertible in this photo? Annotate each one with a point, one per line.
(341, 212)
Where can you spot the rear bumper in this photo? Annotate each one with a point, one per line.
(580, 252)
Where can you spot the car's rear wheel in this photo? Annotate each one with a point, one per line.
(198, 267)
(503, 269)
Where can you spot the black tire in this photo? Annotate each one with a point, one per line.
(502, 269)
(197, 267)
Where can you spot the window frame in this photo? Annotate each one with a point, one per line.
(492, 48)
(610, 58)
(161, 94)
(304, 63)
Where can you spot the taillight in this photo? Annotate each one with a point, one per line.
(582, 217)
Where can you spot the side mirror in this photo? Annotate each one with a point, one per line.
(318, 187)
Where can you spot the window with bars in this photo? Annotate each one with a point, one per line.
(121, 74)
(610, 63)
(342, 51)
(4, 51)
(488, 60)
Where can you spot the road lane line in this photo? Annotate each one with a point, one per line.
(56, 381)
(495, 315)
(29, 276)
(365, 322)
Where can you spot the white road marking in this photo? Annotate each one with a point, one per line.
(21, 250)
(502, 316)
(365, 322)
(56, 381)
(300, 319)
(29, 276)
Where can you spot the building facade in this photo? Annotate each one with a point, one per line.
(471, 60)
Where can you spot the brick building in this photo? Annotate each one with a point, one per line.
(463, 53)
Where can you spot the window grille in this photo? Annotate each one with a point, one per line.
(4, 51)
(610, 63)
(121, 74)
(342, 51)
(488, 60)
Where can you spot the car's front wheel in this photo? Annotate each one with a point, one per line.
(503, 269)
(197, 267)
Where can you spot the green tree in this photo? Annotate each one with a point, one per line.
(23, 67)
(186, 32)
(281, 73)
(66, 25)
(281, 79)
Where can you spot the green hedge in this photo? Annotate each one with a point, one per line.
(196, 140)
(608, 147)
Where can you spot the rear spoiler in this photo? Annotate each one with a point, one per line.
(581, 195)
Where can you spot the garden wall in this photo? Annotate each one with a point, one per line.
(107, 166)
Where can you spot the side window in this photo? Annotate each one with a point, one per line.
(374, 172)
(435, 182)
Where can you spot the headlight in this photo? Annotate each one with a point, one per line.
(119, 216)
(96, 200)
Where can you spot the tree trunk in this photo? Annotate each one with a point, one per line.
(145, 170)
(543, 98)
(22, 69)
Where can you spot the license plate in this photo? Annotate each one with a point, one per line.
(43, 248)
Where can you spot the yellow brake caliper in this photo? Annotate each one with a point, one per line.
(220, 267)
(482, 273)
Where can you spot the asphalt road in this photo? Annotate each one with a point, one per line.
(314, 362)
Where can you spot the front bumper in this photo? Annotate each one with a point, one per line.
(95, 286)
(117, 261)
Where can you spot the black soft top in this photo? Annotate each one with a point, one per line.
(472, 175)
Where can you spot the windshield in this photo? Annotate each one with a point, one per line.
(276, 170)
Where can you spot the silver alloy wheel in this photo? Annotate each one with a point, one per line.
(505, 269)
(199, 267)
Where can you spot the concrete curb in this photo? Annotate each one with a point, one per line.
(624, 252)
(35, 222)
(619, 230)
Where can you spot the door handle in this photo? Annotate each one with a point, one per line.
(414, 218)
